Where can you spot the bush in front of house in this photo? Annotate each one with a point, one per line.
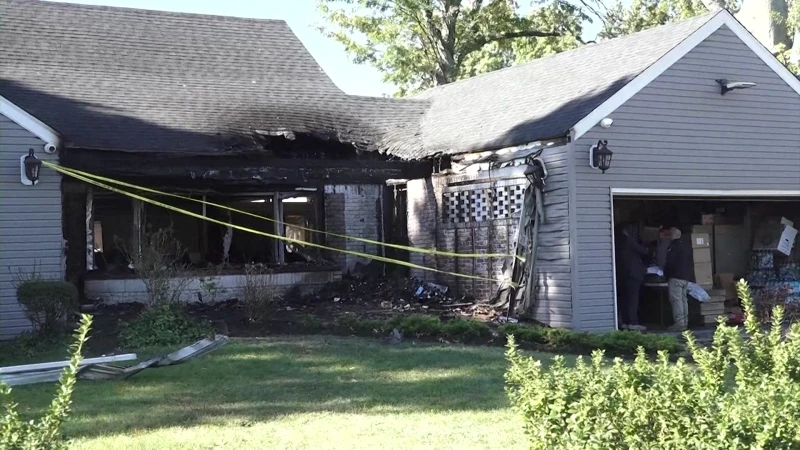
(163, 325)
(44, 433)
(614, 342)
(48, 303)
(258, 294)
(742, 393)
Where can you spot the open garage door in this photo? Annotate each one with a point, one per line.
(734, 235)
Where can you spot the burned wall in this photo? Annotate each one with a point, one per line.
(478, 213)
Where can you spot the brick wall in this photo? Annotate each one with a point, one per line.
(354, 210)
(427, 228)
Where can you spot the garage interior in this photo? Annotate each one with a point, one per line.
(732, 238)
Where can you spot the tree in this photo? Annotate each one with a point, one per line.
(418, 44)
(644, 14)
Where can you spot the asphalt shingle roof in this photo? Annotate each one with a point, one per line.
(137, 80)
(543, 98)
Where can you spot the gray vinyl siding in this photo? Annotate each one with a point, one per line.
(680, 133)
(30, 223)
(553, 268)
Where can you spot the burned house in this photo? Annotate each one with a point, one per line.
(233, 111)
(236, 112)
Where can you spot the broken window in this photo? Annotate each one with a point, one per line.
(116, 222)
(299, 213)
(112, 231)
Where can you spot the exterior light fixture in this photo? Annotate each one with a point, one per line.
(727, 86)
(600, 156)
(536, 172)
(30, 168)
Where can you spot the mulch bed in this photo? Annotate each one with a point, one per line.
(363, 297)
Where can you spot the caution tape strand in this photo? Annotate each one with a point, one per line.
(411, 249)
(384, 259)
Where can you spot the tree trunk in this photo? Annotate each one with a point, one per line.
(766, 20)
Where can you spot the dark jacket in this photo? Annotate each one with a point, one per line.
(680, 260)
(631, 255)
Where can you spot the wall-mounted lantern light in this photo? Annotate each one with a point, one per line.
(600, 156)
(30, 166)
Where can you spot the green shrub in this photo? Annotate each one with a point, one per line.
(44, 433)
(615, 342)
(311, 324)
(466, 330)
(524, 333)
(742, 393)
(362, 327)
(163, 325)
(48, 304)
(627, 342)
(417, 325)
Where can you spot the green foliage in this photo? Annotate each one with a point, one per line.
(742, 393)
(641, 15)
(615, 342)
(418, 325)
(311, 324)
(418, 44)
(48, 303)
(44, 433)
(163, 325)
(465, 330)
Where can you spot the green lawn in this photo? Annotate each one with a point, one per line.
(301, 392)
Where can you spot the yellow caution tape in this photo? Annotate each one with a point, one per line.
(247, 213)
(78, 176)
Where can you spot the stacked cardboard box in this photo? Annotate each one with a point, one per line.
(713, 307)
(701, 247)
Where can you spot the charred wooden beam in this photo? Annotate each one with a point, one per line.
(243, 171)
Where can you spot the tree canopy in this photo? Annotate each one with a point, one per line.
(418, 44)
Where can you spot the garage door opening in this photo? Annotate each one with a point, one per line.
(731, 238)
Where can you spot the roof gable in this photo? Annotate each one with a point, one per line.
(719, 20)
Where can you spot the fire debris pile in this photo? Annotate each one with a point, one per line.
(389, 294)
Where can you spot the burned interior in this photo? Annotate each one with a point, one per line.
(277, 186)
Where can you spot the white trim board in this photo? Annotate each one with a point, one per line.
(703, 193)
(30, 123)
(642, 80)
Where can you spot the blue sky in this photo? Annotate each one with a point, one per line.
(302, 17)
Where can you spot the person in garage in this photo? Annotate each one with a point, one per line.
(631, 271)
(679, 271)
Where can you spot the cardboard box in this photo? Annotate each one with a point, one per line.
(702, 229)
(701, 240)
(710, 320)
(702, 255)
(708, 219)
(786, 242)
(712, 308)
(704, 275)
(727, 282)
(776, 236)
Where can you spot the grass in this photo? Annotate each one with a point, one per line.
(301, 392)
